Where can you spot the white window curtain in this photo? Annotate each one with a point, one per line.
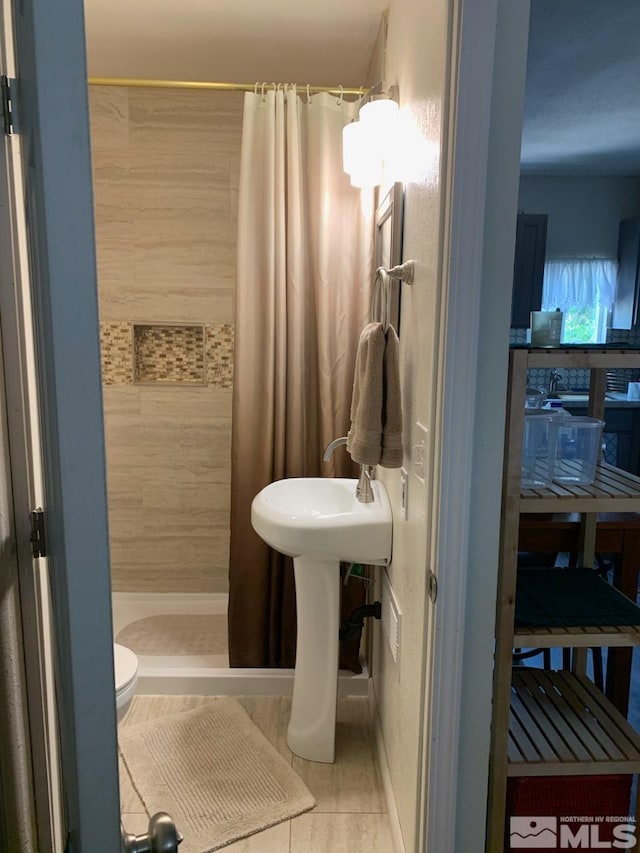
(579, 283)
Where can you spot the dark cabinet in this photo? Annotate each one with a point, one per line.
(528, 267)
(621, 435)
(625, 307)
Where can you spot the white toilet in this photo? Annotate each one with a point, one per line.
(125, 664)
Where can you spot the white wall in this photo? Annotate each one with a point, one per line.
(488, 429)
(584, 213)
(417, 59)
(417, 62)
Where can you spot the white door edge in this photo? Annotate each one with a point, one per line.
(464, 621)
(52, 104)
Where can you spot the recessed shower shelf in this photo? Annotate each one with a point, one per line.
(169, 354)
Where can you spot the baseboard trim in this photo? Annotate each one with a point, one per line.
(389, 795)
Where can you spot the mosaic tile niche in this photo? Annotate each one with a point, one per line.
(220, 356)
(167, 354)
(116, 348)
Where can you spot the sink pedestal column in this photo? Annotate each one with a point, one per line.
(312, 728)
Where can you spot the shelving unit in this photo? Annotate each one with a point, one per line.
(555, 723)
(587, 731)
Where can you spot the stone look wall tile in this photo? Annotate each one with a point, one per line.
(165, 168)
(195, 355)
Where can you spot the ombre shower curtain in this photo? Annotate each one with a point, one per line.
(304, 273)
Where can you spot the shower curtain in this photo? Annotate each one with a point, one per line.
(305, 257)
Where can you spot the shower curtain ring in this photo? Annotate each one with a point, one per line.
(255, 88)
(262, 93)
(308, 94)
(341, 95)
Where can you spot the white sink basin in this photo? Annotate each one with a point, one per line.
(320, 523)
(317, 515)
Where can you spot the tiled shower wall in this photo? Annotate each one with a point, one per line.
(165, 187)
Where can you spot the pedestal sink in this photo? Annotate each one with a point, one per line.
(320, 523)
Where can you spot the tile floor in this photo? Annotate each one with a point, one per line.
(350, 812)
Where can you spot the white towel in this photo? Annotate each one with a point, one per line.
(392, 452)
(376, 407)
(364, 440)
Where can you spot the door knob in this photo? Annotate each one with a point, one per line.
(162, 837)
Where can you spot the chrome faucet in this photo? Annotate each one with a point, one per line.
(553, 381)
(332, 446)
(364, 491)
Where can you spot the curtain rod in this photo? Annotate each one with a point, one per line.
(227, 87)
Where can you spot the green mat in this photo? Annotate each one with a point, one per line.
(557, 598)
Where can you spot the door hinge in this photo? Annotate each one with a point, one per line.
(433, 587)
(38, 536)
(7, 87)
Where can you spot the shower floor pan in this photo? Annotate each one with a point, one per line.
(137, 615)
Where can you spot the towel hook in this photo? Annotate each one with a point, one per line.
(404, 272)
(381, 294)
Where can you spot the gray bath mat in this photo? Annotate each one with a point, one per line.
(214, 772)
(171, 634)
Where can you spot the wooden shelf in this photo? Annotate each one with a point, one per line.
(614, 636)
(572, 608)
(613, 490)
(561, 725)
(589, 357)
(555, 723)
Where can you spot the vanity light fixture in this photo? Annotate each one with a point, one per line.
(367, 142)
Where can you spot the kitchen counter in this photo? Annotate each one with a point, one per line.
(612, 400)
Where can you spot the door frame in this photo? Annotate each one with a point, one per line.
(488, 43)
(17, 388)
(465, 151)
(53, 125)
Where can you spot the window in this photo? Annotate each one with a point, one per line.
(584, 289)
